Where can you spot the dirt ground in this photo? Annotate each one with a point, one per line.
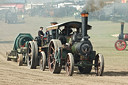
(116, 65)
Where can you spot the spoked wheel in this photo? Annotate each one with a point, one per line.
(54, 66)
(120, 45)
(69, 64)
(43, 61)
(99, 62)
(36, 53)
(30, 56)
(20, 59)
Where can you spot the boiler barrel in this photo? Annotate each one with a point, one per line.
(82, 47)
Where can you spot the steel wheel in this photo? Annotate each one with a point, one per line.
(120, 45)
(54, 67)
(36, 53)
(30, 57)
(99, 61)
(69, 64)
(43, 61)
(20, 59)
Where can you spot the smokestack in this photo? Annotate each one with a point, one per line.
(84, 16)
(122, 30)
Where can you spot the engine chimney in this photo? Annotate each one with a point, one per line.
(84, 16)
(122, 30)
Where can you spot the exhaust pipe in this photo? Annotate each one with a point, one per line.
(84, 16)
(122, 31)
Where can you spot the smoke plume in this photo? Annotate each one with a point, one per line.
(93, 5)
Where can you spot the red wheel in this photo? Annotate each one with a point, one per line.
(120, 45)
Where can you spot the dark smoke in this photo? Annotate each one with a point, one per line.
(93, 5)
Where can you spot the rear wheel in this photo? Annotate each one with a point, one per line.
(54, 66)
(99, 62)
(120, 45)
(20, 59)
(43, 61)
(30, 56)
(69, 64)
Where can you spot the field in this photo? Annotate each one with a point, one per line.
(116, 65)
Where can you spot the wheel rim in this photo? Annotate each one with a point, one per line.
(69, 64)
(99, 65)
(29, 54)
(51, 56)
(120, 45)
(43, 61)
(36, 53)
(54, 66)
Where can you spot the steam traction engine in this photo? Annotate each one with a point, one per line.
(19, 52)
(121, 44)
(67, 45)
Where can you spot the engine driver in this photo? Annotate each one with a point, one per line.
(40, 32)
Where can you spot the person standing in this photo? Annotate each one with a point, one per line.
(40, 32)
(40, 37)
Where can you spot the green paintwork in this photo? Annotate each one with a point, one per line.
(20, 45)
(21, 39)
(58, 55)
(64, 54)
(74, 48)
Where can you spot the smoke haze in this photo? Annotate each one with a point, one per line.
(93, 5)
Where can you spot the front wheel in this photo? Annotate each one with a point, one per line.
(69, 64)
(120, 45)
(43, 61)
(99, 62)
